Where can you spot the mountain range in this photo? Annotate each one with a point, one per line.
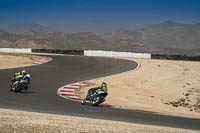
(97, 26)
(166, 37)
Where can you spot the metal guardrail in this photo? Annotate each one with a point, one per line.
(175, 57)
(58, 51)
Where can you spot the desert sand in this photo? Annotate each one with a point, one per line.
(12, 121)
(153, 86)
(11, 60)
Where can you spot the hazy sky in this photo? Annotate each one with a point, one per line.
(81, 11)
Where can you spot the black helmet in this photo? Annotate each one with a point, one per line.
(103, 84)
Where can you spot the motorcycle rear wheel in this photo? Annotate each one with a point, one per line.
(97, 101)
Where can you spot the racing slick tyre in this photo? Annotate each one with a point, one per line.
(97, 100)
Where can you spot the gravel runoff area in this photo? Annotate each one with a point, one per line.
(13, 60)
(12, 121)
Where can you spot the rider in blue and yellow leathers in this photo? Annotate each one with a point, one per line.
(20, 75)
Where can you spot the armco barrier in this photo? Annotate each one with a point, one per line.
(58, 51)
(116, 54)
(16, 50)
(175, 57)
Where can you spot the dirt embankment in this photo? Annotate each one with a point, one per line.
(170, 87)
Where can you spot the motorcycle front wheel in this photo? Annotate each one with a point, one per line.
(16, 87)
(83, 102)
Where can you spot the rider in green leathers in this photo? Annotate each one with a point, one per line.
(103, 87)
(91, 91)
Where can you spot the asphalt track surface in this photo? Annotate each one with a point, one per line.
(48, 77)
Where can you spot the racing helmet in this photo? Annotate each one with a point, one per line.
(103, 84)
(23, 72)
(104, 87)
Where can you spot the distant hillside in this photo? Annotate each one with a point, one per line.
(56, 40)
(91, 26)
(8, 40)
(2, 32)
(18, 28)
(28, 32)
(97, 27)
(164, 35)
(167, 37)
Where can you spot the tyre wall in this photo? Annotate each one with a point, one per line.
(175, 57)
(58, 51)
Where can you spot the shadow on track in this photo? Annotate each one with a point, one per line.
(25, 92)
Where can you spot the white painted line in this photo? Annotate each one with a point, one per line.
(72, 86)
(66, 89)
(70, 93)
(135, 69)
(73, 97)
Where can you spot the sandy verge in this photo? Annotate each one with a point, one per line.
(169, 87)
(28, 122)
(13, 60)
